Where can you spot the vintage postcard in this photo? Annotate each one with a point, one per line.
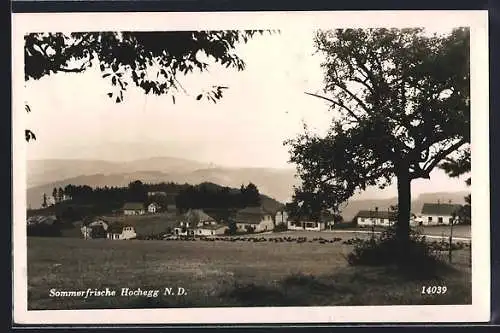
(251, 167)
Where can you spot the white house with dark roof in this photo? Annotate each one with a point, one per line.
(210, 230)
(372, 217)
(198, 218)
(325, 221)
(256, 218)
(439, 213)
(119, 231)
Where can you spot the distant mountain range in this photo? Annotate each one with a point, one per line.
(44, 175)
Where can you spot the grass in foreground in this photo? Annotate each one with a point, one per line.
(223, 274)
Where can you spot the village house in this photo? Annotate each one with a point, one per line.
(119, 231)
(306, 225)
(375, 218)
(184, 228)
(255, 218)
(89, 230)
(153, 208)
(439, 213)
(197, 222)
(324, 222)
(133, 208)
(198, 217)
(210, 230)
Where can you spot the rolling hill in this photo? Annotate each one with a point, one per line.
(44, 175)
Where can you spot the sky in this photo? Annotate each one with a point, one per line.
(265, 104)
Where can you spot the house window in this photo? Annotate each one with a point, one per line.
(440, 219)
(429, 219)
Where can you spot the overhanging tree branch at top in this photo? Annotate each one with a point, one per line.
(400, 108)
(151, 61)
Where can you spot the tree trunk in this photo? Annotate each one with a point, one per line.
(404, 206)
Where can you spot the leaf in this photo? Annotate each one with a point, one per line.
(110, 94)
(173, 99)
(29, 135)
(105, 75)
(113, 80)
(27, 108)
(199, 97)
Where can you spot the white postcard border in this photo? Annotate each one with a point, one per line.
(479, 311)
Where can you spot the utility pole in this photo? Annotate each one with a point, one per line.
(450, 245)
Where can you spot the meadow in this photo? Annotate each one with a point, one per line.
(222, 273)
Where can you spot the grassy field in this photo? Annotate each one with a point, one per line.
(143, 225)
(147, 224)
(222, 273)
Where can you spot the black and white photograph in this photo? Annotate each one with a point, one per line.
(250, 167)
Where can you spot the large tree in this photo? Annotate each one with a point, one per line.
(151, 61)
(400, 100)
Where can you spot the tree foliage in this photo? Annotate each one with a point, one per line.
(150, 60)
(400, 100)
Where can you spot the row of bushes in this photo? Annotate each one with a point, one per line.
(418, 258)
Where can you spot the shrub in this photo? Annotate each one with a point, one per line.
(232, 229)
(418, 258)
(280, 227)
(344, 225)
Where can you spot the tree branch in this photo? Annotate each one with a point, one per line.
(353, 96)
(441, 155)
(72, 70)
(364, 83)
(336, 103)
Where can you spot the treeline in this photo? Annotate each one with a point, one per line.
(135, 192)
(214, 196)
(83, 200)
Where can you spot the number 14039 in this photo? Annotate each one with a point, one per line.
(434, 290)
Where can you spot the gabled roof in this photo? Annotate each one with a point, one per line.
(96, 222)
(154, 203)
(133, 206)
(116, 228)
(251, 215)
(440, 209)
(197, 215)
(381, 214)
(254, 210)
